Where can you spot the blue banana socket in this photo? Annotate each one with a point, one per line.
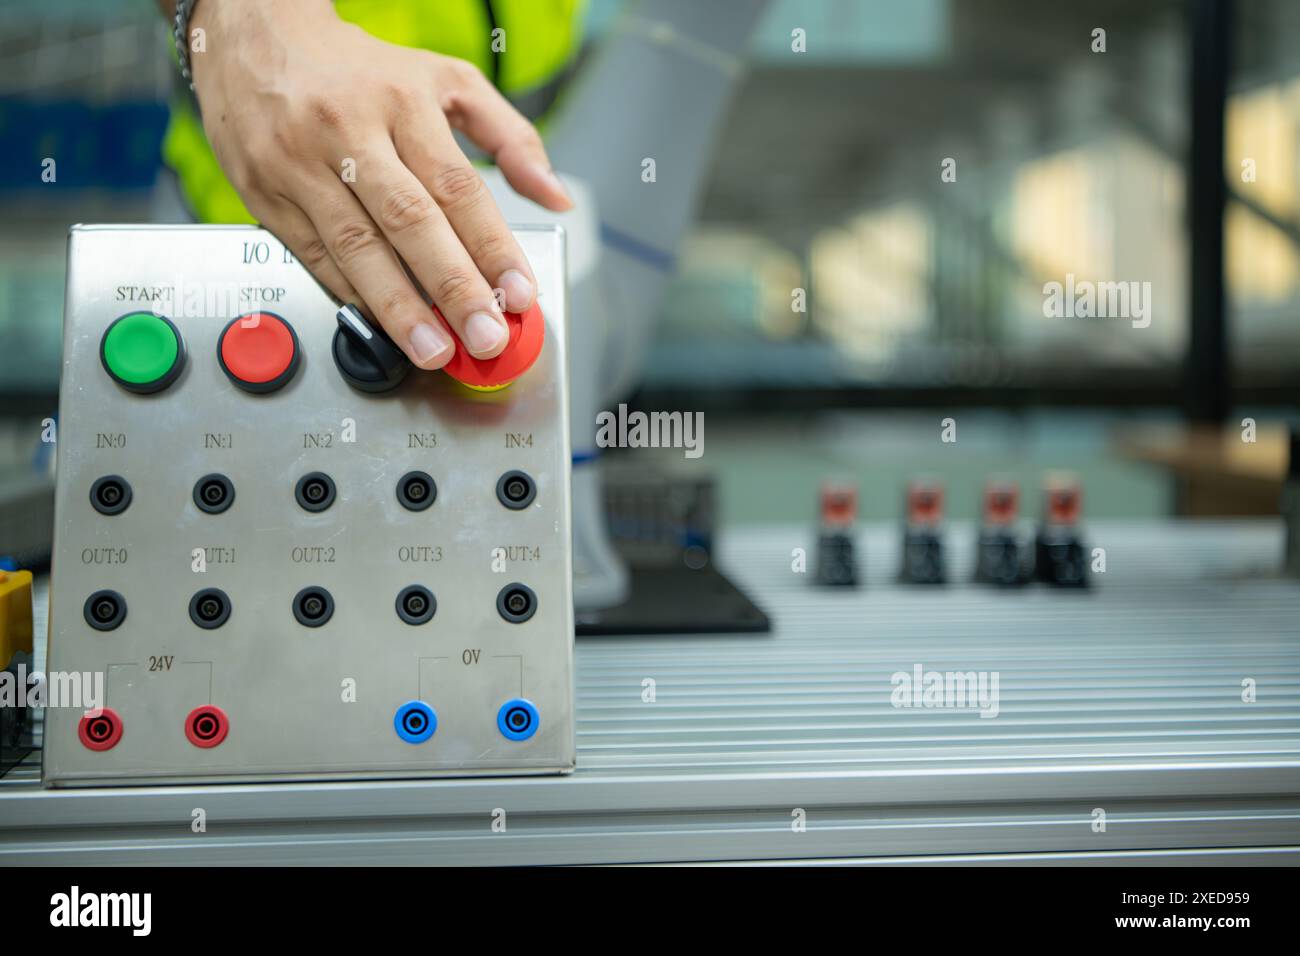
(517, 719)
(415, 721)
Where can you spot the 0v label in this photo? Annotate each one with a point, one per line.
(470, 655)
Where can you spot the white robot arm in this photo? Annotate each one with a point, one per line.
(633, 139)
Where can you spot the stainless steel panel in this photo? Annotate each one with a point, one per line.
(284, 686)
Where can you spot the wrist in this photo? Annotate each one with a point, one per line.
(224, 15)
(228, 24)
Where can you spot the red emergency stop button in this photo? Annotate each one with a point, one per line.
(258, 351)
(527, 330)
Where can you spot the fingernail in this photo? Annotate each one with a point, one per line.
(557, 184)
(428, 343)
(518, 290)
(484, 332)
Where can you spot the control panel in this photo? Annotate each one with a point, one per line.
(284, 553)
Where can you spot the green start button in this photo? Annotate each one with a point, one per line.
(143, 352)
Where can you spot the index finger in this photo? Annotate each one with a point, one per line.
(437, 162)
(476, 107)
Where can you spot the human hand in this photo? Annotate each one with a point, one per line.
(341, 145)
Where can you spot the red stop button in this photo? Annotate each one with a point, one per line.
(258, 351)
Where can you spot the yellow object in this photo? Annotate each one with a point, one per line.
(15, 614)
(537, 39)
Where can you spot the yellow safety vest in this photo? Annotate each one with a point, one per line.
(540, 40)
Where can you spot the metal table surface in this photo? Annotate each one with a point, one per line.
(1125, 699)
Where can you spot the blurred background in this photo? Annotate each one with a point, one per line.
(922, 299)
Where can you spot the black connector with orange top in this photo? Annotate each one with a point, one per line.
(1059, 553)
(1001, 558)
(923, 555)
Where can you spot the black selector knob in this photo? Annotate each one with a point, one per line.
(367, 358)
